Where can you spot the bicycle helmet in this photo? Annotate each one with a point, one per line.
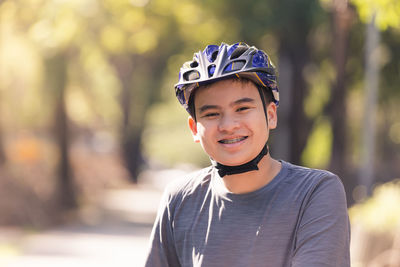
(218, 62)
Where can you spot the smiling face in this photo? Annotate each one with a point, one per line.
(230, 121)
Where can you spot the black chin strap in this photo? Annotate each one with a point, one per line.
(249, 166)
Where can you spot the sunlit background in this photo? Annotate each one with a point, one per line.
(91, 131)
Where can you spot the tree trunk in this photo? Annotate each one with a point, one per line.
(2, 151)
(280, 138)
(133, 115)
(337, 105)
(296, 55)
(57, 77)
(367, 170)
(132, 152)
(300, 125)
(2, 154)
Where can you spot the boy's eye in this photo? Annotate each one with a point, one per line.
(243, 108)
(210, 115)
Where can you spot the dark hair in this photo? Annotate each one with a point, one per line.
(266, 94)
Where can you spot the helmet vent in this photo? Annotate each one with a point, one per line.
(191, 75)
(211, 70)
(194, 64)
(234, 66)
(238, 51)
(214, 55)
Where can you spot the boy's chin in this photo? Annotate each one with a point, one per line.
(233, 162)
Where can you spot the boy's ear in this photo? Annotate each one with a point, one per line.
(193, 129)
(272, 115)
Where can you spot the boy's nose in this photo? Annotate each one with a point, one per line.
(228, 123)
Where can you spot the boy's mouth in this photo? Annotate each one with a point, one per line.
(233, 140)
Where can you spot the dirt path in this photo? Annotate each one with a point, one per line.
(115, 235)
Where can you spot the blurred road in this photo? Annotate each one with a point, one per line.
(105, 245)
(115, 233)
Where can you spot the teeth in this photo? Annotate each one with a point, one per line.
(231, 141)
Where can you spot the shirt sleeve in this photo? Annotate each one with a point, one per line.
(323, 235)
(162, 251)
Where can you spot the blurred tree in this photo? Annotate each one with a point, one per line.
(378, 15)
(388, 119)
(56, 29)
(341, 20)
(51, 27)
(125, 33)
(57, 82)
(139, 56)
(2, 151)
(134, 104)
(384, 13)
(294, 23)
(2, 154)
(371, 78)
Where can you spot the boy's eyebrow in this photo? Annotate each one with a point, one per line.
(243, 100)
(206, 107)
(239, 101)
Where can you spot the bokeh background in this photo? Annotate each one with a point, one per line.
(91, 131)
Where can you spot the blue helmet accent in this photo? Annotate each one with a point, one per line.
(218, 62)
(260, 59)
(232, 48)
(209, 51)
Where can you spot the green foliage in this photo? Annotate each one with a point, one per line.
(318, 149)
(156, 37)
(386, 12)
(390, 72)
(168, 139)
(319, 80)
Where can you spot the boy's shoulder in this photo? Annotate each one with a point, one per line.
(187, 184)
(302, 174)
(302, 170)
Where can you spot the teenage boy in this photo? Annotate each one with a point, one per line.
(247, 209)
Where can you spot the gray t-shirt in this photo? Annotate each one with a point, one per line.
(299, 219)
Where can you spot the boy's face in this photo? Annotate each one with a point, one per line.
(231, 124)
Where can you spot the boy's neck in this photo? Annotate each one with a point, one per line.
(251, 181)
